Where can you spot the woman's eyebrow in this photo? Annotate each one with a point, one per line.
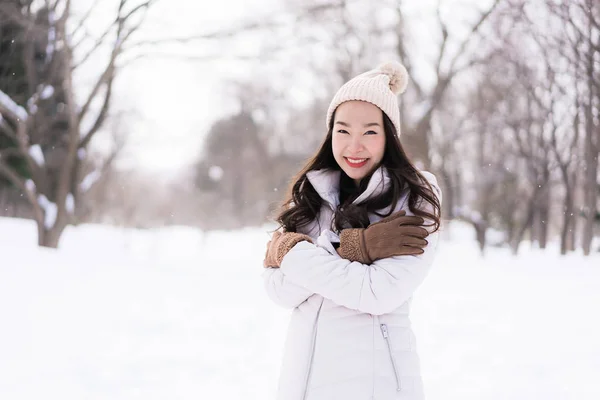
(365, 125)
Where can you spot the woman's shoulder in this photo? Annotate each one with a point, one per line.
(432, 180)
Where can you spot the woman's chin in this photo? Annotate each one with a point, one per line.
(356, 174)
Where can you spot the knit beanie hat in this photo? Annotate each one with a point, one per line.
(380, 86)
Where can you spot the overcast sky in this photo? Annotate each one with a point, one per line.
(171, 103)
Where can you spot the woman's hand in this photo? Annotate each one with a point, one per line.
(279, 245)
(396, 235)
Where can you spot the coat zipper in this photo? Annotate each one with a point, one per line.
(386, 336)
(312, 355)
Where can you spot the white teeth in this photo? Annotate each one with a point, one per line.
(355, 160)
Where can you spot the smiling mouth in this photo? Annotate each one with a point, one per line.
(356, 162)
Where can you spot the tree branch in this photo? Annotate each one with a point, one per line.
(101, 80)
(187, 57)
(473, 31)
(7, 129)
(444, 30)
(20, 183)
(108, 74)
(102, 114)
(119, 22)
(234, 31)
(94, 48)
(83, 19)
(9, 151)
(13, 176)
(13, 14)
(402, 52)
(143, 6)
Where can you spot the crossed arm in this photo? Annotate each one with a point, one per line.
(376, 289)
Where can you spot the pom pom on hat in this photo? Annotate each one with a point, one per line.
(398, 76)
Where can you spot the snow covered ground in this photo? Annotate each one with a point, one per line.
(178, 314)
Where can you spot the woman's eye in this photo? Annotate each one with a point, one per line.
(342, 131)
(370, 133)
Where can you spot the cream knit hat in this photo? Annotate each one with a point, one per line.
(380, 86)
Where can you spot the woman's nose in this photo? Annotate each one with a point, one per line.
(356, 144)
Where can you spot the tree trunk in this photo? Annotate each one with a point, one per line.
(50, 232)
(481, 229)
(536, 226)
(449, 196)
(543, 215)
(416, 143)
(527, 224)
(567, 224)
(590, 196)
(458, 190)
(592, 148)
(13, 204)
(50, 237)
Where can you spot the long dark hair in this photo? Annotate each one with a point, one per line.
(303, 203)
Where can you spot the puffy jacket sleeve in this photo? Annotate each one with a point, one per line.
(282, 291)
(378, 288)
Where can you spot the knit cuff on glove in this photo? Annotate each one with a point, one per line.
(352, 246)
(287, 241)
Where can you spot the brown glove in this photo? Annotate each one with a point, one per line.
(396, 235)
(279, 245)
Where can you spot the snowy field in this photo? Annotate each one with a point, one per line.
(177, 314)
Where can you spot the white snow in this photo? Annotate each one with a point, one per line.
(81, 153)
(47, 92)
(89, 180)
(259, 116)
(70, 203)
(50, 45)
(215, 173)
(50, 211)
(43, 92)
(51, 36)
(32, 106)
(13, 107)
(176, 313)
(30, 185)
(35, 151)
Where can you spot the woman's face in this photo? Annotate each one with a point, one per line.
(358, 138)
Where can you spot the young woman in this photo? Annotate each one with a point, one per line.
(359, 235)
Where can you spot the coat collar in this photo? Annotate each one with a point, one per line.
(327, 184)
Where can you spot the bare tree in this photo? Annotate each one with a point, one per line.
(532, 109)
(564, 122)
(591, 107)
(55, 159)
(575, 131)
(420, 104)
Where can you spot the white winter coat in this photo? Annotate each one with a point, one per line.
(350, 335)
